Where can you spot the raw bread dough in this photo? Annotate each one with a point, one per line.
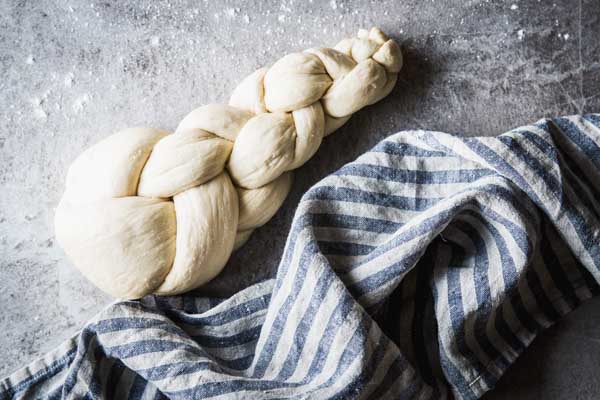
(146, 211)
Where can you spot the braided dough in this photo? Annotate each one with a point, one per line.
(146, 211)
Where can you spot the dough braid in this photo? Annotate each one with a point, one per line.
(146, 211)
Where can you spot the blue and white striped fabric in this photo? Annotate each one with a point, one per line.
(423, 268)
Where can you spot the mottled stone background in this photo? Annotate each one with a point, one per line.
(73, 71)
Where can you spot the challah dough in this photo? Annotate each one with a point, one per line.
(146, 211)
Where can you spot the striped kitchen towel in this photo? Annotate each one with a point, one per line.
(420, 270)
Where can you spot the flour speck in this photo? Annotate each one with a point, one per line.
(155, 41)
(81, 102)
(520, 34)
(333, 5)
(514, 7)
(30, 217)
(69, 79)
(30, 60)
(231, 12)
(40, 113)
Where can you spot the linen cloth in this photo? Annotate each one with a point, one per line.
(423, 268)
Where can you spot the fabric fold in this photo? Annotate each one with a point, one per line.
(423, 268)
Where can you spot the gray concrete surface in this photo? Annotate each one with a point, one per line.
(73, 71)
